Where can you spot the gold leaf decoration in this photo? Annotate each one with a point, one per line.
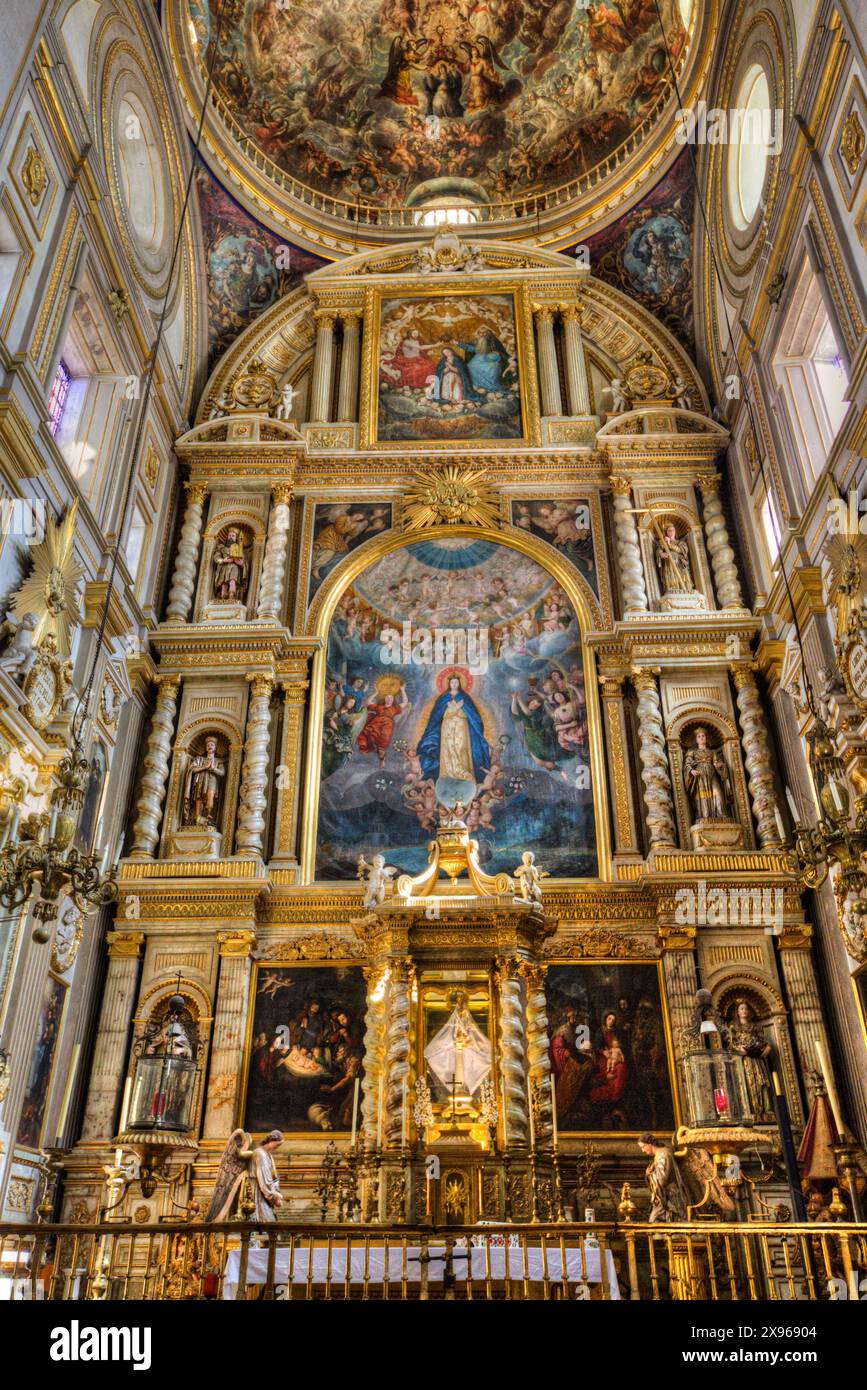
(49, 589)
(451, 495)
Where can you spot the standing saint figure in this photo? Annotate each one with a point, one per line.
(707, 781)
(668, 1196)
(204, 782)
(748, 1040)
(672, 561)
(231, 570)
(240, 1159)
(453, 743)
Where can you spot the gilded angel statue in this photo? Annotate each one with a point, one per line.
(242, 1159)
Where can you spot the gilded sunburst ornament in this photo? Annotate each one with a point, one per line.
(49, 589)
(454, 495)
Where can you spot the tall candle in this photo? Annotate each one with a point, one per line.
(124, 1109)
(830, 1087)
(505, 1114)
(530, 1110)
(793, 807)
(67, 1093)
(781, 829)
(379, 1112)
(355, 1109)
(404, 1117)
(554, 1109)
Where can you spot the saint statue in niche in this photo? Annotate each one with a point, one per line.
(749, 1041)
(231, 567)
(707, 781)
(671, 554)
(203, 791)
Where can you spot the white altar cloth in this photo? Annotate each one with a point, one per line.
(257, 1265)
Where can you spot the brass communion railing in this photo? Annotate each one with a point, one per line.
(170, 1261)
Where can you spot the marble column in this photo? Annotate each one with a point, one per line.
(294, 703)
(628, 550)
(347, 387)
(802, 989)
(681, 983)
(722, 557)
(538, 1054)
(271, 598)
(374, 1052)
(397, 1053)
(549, 377)
(513, 1074)
(654, 763)
(227, 1045)
(156, 769)
(626, 831)
(251, 813)
(577, 385)
(187, 559)
(323, 367)
(119, 995)
(757, 756)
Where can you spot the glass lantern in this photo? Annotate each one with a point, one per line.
(164, 1081)
(716, 1090)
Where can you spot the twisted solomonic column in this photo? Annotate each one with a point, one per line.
(397, 1054)
(186, 561)
(274, 564)
(722, 557)
(156, 770)
(251, 813)
(549, 376)
(654, 763)
(538, 1044)
(757, 756)
(374, 1053)
(628, 549)
(512, 1055)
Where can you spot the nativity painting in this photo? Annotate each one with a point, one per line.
(455, 675)
(608, 1048)
(448, 368)
(307, 1044)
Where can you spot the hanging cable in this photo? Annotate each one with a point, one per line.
(760, 453)
(82, 708)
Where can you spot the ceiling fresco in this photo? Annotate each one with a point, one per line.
(365, 100)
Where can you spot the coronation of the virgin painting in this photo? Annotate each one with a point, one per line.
(455, 675)
(448, 368)
(366, 99)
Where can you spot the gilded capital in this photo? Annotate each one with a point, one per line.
(572, 313)
(612, 686)
(261, 685)
(350, 318)
(743, 676)
(676, 938)
(324, 318)
(167, 687)
(708, 484)
(543, 313)
(281, 494)
(621, 487)
(236, 943)
(644, 678)
(124, 944)
(196, 492)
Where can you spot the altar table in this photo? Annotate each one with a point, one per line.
(257, 1266)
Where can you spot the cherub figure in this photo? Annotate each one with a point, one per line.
(529, 878)
(376, 878)
(20, 655)
(283, 408)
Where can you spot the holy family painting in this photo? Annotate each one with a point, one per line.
(455, 675)
(306, 1047)
(608, 1048)
(448, 368)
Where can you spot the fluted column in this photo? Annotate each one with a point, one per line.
(274, 564)
(628, 549)
(156, 769)
(549, 377)
(227, 1046)
(654, 763)
(186, 561)
(251, 813)
(626, 831)
(286, 817)
(757, 756)
(681, 982)
(374, 1053)
(577, 385)
(323, 367)
(118, 1003)
(513, 1073)
(397, 1053)
(722, 557)
(802, 992)
(347, 387)
(538, 1045)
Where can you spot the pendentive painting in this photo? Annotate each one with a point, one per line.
(564, 522)
(306, 1047)
(448, 368)
(608, 1048)
(455, 674)
(338, 527)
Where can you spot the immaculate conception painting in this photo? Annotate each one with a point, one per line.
(448, 368)
(608, 1050)
(455, 674)
(306, 1049)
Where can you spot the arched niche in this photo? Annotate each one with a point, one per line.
(722, 734)
(372, 782)
(178, 840)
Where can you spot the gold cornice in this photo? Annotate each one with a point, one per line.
(124, 944)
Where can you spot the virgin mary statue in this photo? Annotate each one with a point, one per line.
(453, 744)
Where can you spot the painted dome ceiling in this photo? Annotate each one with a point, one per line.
(362, 110)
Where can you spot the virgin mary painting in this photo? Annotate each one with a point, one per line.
(453, 744)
